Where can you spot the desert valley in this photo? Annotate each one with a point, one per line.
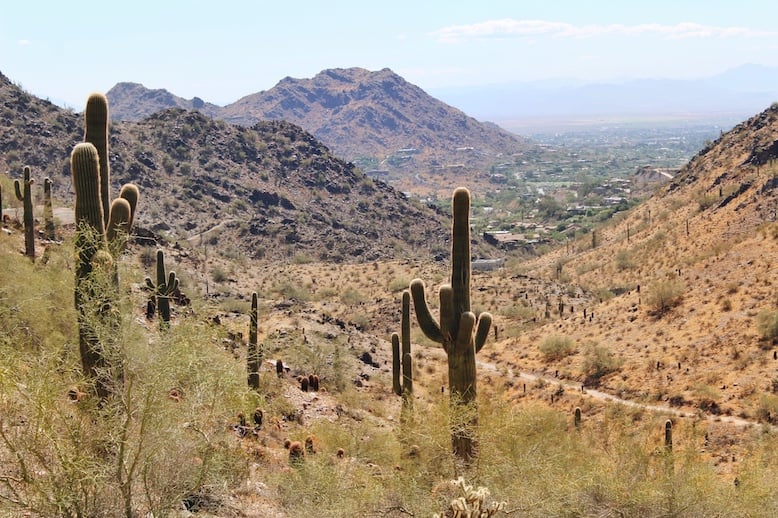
(605, 342)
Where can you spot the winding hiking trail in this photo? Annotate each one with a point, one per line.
(610, 398)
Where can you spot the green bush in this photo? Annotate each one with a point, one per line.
(767, 324)
(663, 295)
(598, 361)
(556, 347)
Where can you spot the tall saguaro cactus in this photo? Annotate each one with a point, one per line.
(460, 333)
(401, 356)
(101, 230)
(254, 354)
(23, 190)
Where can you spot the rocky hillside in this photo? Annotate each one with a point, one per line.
(376, 119)
(270, 190)
(686, 288)
(133, 101)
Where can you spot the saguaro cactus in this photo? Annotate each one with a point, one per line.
(401, 356)
(48, 210)
(163, 290)
(254, 354)
(24, 194)
(455, 329)
(101, 230)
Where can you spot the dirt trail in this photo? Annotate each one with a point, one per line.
(197, 238)
(604, 396)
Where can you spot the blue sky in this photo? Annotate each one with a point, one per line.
(222, 50)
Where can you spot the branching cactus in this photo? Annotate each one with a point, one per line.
(460, 333)
(165, 287)
(402, 363)
(102, 227)
(23, 190)
(48, 210)
(254, 354)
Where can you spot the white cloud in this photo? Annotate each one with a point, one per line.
(511, 28)
(23, 43)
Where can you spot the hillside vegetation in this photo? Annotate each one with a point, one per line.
(666, 315)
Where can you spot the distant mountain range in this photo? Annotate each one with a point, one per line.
(737, 92)
(269, 191)
(364, 116)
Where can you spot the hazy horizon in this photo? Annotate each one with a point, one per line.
(221, 52)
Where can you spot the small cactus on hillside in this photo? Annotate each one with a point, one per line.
(164, 289)
(48, 210)
(23, 191)
(402, 362)
(459, 331)
(254, 354)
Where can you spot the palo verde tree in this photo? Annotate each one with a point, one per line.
(459, 331)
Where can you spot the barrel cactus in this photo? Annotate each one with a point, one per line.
(459, 331)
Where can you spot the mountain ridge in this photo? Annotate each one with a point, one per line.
(376, 119)
(279, 193)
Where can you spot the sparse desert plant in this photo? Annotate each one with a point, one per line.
(767, 325)
(556, 347)
(663, 295)
(599, 360)
(624, 260)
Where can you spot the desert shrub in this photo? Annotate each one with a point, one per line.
(556, 347)
(398, 284)
(218, 274)
(139, 453)
(767, 325)
(352, 297)
(663, 295)
(624, 260)
(518, 311)
(598, 361)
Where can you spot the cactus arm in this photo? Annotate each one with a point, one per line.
(396, 386)
(118, 222)
(130, 193)
(172, 283)
(429, 326)
(150, 284)
(18, 190)
(96, 121)
(482, 330)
